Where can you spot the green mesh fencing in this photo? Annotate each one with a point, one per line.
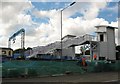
(0, 70)
(91, 66)
(43, 68)
(103, 66)
(38, 68)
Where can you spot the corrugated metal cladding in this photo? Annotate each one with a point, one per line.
(111, 43)
(103, 49)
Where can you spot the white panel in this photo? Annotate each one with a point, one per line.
(111, 44)
(103, 49)
(69, 52)
(101, 29)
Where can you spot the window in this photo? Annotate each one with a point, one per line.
(101, 37)
(3, 52)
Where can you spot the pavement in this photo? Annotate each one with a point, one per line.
(87, 78)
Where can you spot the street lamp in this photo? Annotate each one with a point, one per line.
(61, 23)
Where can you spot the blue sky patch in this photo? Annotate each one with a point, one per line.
(112, 4)
(49, 5)
(40, 20)
(109, 13)
(77, 14)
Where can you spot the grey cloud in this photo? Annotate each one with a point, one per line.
(11, 9)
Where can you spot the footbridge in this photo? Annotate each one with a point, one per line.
(70, 42)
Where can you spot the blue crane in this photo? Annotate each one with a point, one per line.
(22, 32)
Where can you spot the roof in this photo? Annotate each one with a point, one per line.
(106, 26)
(6, 48)
(68, 36)
(100, 32)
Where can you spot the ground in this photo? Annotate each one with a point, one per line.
(105, 77)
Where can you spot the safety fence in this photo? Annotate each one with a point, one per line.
(39, 68)
(103, 66)
(29, 68)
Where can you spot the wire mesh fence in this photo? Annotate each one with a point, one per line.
(49, 68)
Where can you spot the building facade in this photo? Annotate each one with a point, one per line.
(6, 52)
(106, 42)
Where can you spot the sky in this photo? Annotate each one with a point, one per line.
(41, 19)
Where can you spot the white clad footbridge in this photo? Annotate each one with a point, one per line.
(66, 43)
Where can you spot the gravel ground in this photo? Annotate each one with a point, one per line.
(93, 78)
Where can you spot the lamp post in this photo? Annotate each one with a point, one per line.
(61, 23)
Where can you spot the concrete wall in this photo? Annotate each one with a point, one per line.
(65, 52)
(111, 44)
(103, 49)
(106, 48)
(69, 52)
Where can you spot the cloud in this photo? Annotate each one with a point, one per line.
(90, 13)
(78, 25)
(12, 16)
(54, 15)
(43, 33)
(10, 10)
(44, 13)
